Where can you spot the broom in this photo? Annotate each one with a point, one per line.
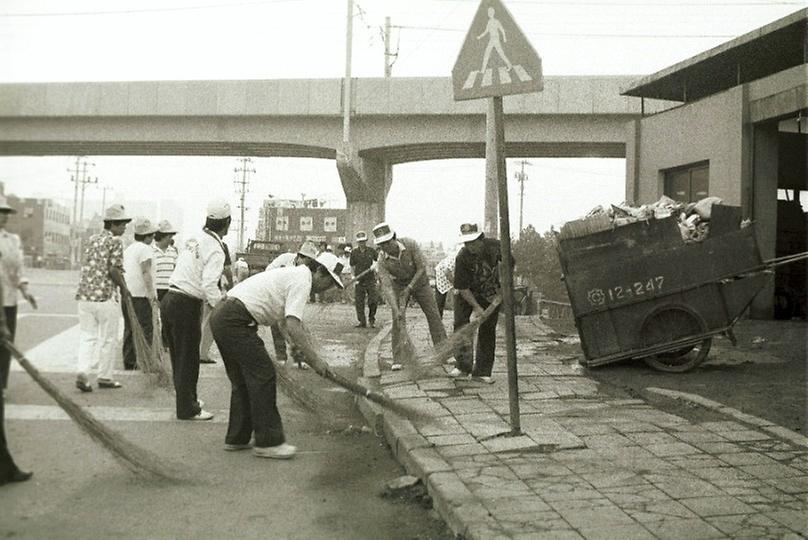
(144, 350)
(324, 370)
(161, 377)
(403, 349)
(138, 460)
(443, 351)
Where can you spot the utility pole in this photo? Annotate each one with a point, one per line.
(78, 176)
(521, 177)
(346, 85)
(388, 67)
(104, 190)
(241, 190)
(85, 180)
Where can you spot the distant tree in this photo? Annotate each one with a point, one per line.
(537, 263)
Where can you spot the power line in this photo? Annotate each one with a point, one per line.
(575, 34)
(145, 10)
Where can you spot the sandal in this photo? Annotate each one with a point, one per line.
(109, 384)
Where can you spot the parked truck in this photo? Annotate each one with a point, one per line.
(259, 254)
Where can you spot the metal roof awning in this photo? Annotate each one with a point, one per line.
(770, 49)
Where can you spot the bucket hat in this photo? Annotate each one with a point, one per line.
(218, 209)
(382, 233)
(143, 226)
(4, 207)
(469, 232)
(116, 212)
(165, 227)
(330, 262)
(308, 249)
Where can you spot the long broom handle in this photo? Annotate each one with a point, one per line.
(357, 277)
(133, 457)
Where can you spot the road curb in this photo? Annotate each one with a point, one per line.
(761, 423)
(451, 499)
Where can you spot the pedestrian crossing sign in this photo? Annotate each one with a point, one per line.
(496, 58)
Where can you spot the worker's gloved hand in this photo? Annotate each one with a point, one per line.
(375, 266)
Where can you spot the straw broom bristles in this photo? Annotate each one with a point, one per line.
(149, 356)
(138, 460)
(324, 370)
(403, 349)
(443, 351)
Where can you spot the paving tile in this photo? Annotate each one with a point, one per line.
(637, 427)
(716, 506)
(719, 447)
(634, 496)
(726, 475)
(746, 458)
(624, 532)
(462, 450)
(795, 520)
(748, 526)
(676, 529)
(602, 514)
(465, 405)
(606, 441)
(682, 485)
(647, 438)
(557, 488)
(448, 440)
(661, 510)
(590, 428)
(516, 506)
(442, 426)
(744, 435)
(554, 534)
(699, 436)
(696, 461)
(672, 449)
(792, 486)
(539, 469)
(507, 444)
(614, 478)
(774, 470)
(724, 425)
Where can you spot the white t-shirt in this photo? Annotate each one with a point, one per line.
(133, 256)
(282, 261)
(272, 296)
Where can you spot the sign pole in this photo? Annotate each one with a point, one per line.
(506, 275)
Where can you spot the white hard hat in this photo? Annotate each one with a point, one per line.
(143, 226)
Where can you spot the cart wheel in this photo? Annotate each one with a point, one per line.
(670, 324)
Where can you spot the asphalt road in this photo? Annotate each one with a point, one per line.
(763, 375)
(330, 490)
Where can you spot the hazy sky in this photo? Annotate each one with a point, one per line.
(92, 40)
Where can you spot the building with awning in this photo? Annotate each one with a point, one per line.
(734, 125)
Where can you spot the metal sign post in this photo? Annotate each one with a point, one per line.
(496, 60)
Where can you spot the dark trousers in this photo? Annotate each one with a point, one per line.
(143, 314)
(440, 300)
(5, 356)
(366, 291)
(486, 339)
(253, 406)
(182, 320)
(7, 465)
(279, 342)
(160, 294)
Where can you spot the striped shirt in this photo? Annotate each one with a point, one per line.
(164, 263)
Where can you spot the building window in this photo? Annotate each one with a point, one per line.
(688, 184)
(282, 223)
(306, 223)
(330, 224)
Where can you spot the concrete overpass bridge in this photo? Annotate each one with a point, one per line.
(392, 121)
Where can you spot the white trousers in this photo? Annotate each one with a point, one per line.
(98, 340)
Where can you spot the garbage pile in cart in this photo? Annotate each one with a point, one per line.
(693, 218)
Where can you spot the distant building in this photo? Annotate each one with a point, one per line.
(293, 221)
(44, 228)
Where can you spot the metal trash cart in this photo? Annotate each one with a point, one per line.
(640, 292)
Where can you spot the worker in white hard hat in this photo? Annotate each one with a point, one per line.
(195, 282)
(275, 297)
(138, 272)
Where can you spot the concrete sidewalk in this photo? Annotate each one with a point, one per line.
(587, 464)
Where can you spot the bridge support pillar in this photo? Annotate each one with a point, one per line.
(366, 183)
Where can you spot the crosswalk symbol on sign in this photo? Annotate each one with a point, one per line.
(496, 58)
